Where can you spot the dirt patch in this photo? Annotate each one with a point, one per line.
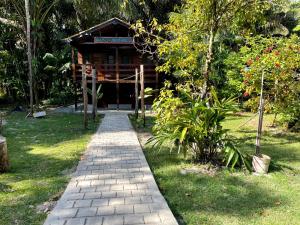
(143, 137)
(207, 169)
(45, 207)
(49, 205)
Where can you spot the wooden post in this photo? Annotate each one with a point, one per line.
(74, 78)
(75, 96)
(261, 116)
(4, 164)
(94, 93)
(136, 93)
(142, 93)
(85, 97)
(117, 77)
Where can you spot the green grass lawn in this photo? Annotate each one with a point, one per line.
(41, 152)
(235, 198)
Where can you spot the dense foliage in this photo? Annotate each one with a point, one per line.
(209, 49)
(279, 60)
(204, 46)
(51, 22)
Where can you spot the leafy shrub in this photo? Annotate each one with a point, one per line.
(279, 60)
(61, 94)
(193, 126)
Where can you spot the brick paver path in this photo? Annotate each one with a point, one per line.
(113, 184)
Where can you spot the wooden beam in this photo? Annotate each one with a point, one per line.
(74, 78)
(136, 92)
(261, 116)
(85, 97)
(142, 93)
(121, 81)
(94, 93)
(118, 77)
(75, 96)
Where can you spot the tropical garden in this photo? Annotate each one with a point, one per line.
(222, 138)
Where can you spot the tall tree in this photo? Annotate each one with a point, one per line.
(29, 56)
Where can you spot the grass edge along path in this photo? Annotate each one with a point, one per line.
(233, 198)
(42, 152)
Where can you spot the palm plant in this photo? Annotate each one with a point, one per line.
(36, 13)
(194, 127)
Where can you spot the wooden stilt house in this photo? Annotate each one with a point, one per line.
(108, 47)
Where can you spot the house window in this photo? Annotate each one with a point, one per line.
(111, 59)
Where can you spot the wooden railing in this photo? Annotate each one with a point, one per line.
(123, 73)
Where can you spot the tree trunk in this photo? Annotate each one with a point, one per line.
(94, 93)
(29, 54)
(4, 164)
(142, 94)
(208, 62)
(35, 79)
(85, 97)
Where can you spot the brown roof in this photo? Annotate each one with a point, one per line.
(98, 27)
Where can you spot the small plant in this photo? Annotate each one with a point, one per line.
(99, 94)
(193, 126)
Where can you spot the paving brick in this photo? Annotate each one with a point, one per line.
(132, 200)
(94, 221)
(130, 187)
(103, 188)
(54, 221)
(110, 181)
(92, 195)
(152, 218)
(96, 183)
(117, 187)
(64, 213)
(89, 189)
(65, 204)
(76, 221)
(146, 199)
(123, 181)
(106, 210)
(109, 194)
(116, 201)
(84, 184)
(73, 196)
(113, 220)
(85, 212)
(83, 203)
(124, 209)
(133, 219)
(141, 208)
(127, 193)
(100, 202)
